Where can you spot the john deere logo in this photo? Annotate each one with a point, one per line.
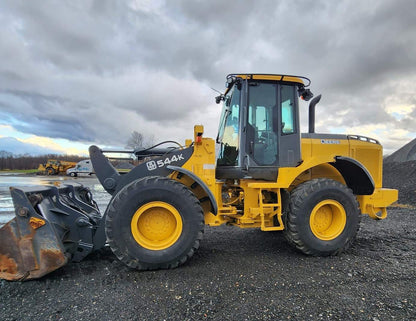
(151, 165)
(329, 141)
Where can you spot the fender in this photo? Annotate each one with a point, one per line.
(200, 182)
(355, 175)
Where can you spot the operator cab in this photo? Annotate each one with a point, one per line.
(259, 127)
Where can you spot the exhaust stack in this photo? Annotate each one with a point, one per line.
(312, 105)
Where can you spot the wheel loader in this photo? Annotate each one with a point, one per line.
(55, 167)
(260, 172)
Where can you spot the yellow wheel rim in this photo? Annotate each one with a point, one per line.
(327, 220)
(156, 225)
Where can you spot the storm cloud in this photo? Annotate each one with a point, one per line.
(94, 71)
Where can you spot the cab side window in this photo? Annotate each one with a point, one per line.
(287, 94)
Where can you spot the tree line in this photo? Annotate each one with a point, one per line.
(9, 161)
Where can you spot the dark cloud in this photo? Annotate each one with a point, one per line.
(97, 70)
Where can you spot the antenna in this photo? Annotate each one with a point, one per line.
(216, 90)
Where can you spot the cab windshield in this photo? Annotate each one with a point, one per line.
(228, 132)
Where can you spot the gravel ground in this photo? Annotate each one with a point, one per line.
(237, 275)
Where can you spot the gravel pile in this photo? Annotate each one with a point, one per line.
(401, 176)
(404, 154)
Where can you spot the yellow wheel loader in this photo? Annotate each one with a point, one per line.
(259, 172)
(55, 167)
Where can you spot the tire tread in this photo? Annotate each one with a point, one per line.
(166, 183)
(297, 200)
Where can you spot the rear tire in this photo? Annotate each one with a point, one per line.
(323, 217)
(154, 223)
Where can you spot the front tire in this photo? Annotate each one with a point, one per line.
(154, 223)
(50, 171)
(323, 217)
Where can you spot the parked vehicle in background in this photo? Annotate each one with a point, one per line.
(82, 167)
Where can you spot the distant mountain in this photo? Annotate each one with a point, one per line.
(16, 147)
(404, 154)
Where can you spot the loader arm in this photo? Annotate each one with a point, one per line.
(113, 182)
(105, 171)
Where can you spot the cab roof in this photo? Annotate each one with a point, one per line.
(276, 77)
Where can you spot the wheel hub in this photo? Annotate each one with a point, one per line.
(328, 219)
(156, 225)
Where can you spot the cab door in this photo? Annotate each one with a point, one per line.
(289, 135)
(259, 130)
(272, 130)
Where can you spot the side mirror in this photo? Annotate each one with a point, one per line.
(305, 94)
(219, 98)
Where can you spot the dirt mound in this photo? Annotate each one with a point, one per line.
(404, 154)
(401, 176)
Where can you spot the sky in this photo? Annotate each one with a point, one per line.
(82, 72)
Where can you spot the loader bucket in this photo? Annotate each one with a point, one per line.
(51, 227)
(27, 252)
